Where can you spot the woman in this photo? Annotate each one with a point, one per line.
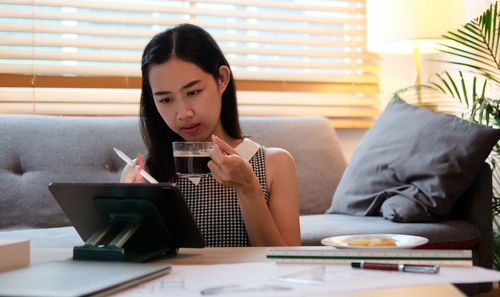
(188, 94)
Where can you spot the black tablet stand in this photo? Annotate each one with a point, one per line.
(133, 232)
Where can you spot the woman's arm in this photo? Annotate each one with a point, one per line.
(277, 224)
(283, 188)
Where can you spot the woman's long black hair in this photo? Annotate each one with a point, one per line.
(192, 44)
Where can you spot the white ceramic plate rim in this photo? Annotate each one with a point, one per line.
(402, 241)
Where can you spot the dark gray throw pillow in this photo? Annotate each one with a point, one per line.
(412, 164)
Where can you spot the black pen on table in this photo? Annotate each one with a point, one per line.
(431, 269)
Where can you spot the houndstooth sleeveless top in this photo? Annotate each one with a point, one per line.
(215, 207)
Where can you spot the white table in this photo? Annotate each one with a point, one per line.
(209, 256)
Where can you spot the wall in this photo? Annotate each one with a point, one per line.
(398, 71)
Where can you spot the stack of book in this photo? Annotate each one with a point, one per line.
(328, 255)
(14, 253)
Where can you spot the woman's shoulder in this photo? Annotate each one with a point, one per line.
(280, 167)
(278, 157)
(276, 151)
(274, 155)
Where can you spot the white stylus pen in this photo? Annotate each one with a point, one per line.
(129, 161)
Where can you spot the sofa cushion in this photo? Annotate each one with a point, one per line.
(412, 164)
(451, 234)
(37, 150)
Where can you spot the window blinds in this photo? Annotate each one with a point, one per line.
(288, 57)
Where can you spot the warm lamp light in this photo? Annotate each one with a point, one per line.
(411, 26)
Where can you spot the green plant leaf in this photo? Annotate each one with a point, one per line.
(448, 87)
(484, 88)
(468, 36)
(472, 45)
(464, 88)
(480, 39)
(470, 57)
(483, 71)
(484, 55)
(437, 86)
(493, 40)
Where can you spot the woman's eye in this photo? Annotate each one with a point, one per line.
(165, 100)
(193, 92)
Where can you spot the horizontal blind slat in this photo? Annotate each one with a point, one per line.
(87, 109)
(136, 58)
(134, 45)
(87, 70)
(119, 110)
(316, 77)
(50, 54)
(166, 21)
(81, 30)
(307, 5)
(308, 111)
(48, 69)
(349, 7)
(304, 99)
(193, 11)
(133, 96)
(126, 82)
(116, 31)
(77, 95)
(351, 123)
(305, 64)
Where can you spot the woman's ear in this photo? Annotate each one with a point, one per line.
(224, 76)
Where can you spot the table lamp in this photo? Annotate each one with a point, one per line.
(411, 26)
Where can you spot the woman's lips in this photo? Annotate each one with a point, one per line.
(191, 128)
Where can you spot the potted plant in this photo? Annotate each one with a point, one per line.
(476, 84)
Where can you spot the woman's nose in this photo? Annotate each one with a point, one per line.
(184, 111)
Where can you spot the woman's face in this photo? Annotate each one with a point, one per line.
(188, 98)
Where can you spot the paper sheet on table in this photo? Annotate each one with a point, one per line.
(192, 280)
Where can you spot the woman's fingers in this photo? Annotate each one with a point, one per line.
(227, 166)
(216, 154)
(139, 161)
(225, 148)
(132, 174)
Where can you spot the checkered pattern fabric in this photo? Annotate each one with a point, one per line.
(215, 208)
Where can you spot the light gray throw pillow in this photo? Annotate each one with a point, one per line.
(412, 164)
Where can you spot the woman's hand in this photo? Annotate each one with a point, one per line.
(131, 174)
(228, 168)
(273, 224)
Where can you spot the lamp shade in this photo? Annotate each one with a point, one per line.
(392, 25)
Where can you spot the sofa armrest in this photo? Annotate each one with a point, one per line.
(475, 207)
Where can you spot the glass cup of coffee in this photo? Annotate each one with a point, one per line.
(191, 158)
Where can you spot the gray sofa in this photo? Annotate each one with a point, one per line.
(37, 150)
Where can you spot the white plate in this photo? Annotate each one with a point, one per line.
(402, 241)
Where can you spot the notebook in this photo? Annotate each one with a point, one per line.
(77, 278)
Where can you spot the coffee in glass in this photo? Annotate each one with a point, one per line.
(191, 158)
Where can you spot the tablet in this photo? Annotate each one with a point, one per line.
(156, 215)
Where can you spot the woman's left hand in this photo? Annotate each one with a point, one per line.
(227, 166)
